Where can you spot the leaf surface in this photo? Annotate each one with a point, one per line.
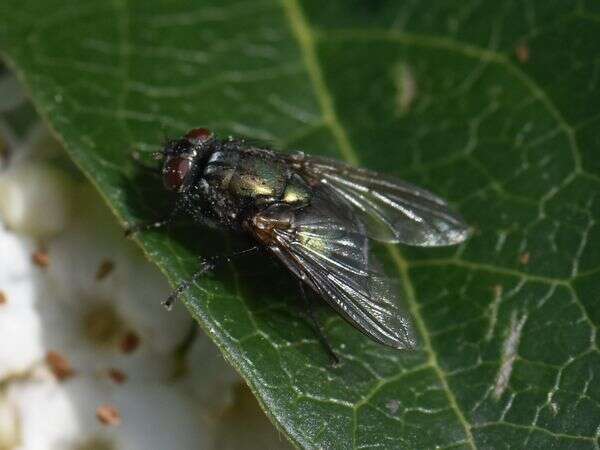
(492, 105)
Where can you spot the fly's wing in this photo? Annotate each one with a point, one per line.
(392, 210)
(328, 249)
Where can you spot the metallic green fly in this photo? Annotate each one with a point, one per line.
(317, 216)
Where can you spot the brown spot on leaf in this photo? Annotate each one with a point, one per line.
(59, 365)
(108, 415)
(524, 258)
(522, 52)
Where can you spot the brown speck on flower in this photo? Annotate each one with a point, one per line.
(59, 365)
(104, 269)
(108, 415)
(3, 298)
(522, 52)
(116, 375)
(103, 325)
(40, 258)
(524, 258)
(130, 342)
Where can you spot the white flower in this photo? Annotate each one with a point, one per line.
(34, 199)
(20, 324)
(218, 377)
(64, 416)
(83, 328)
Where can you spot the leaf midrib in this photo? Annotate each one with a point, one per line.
(303, 33)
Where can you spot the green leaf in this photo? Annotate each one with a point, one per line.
(493, 105)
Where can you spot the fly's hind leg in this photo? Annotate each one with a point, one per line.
(335, 361)
(263, 226)
(205, 266)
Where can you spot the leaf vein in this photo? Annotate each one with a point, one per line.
(306, 41)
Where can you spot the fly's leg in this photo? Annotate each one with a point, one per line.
(136, 157)
(205, 266)
(145, 226)
(335, 361)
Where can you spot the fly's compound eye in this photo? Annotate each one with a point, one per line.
(199, 136)
(175, 172)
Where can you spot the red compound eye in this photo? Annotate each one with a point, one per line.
(175, 171)
(199, 135)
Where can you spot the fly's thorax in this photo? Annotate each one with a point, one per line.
(258, 177)
(237, 182)
(296, 192)
(219, 169)
(214, 187)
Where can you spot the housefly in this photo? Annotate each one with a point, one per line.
(317, 216)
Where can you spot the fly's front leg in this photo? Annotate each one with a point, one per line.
(145, 226)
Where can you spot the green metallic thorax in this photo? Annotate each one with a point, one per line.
(237, 181)
(296, 192)
(256, 178)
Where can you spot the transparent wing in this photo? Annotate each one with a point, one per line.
(329, 250)
(392, 210)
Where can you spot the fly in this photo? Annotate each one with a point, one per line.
(317, 216)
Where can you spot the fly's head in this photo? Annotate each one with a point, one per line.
(183, 159)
